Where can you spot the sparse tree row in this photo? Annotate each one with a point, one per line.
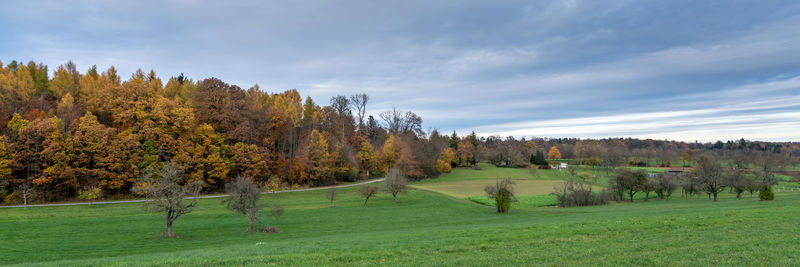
(93, 134)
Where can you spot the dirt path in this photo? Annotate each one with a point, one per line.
(208, 196)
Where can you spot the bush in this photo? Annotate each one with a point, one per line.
(502, 193)
(545, 167)
(766, 193)
(573, 193)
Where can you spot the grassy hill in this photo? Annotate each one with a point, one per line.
(422, 228)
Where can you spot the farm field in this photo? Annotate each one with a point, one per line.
(422, 228)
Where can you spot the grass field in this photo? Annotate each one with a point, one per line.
(422, 228)
(465, 189)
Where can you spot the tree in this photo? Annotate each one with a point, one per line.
(554, 154)
(690, 184)
(709, 173)
(649, 185)
(666, 184)
(331, 195)
(318, 157)
(359, 101)
(629, 181)
(366, 158)
(165, 193)
(395, 182)
(367, 191)
(686, 155)
(243, 196)
(6, 160)
(502, 193)
(277, 212)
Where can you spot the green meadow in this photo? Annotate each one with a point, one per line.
(425, 227)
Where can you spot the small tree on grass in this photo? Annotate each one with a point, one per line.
(649, 185)
(277, 212)
(666, 185)
(243, 196)
(502, 193)
(629, 181)
(367, 191)
(331, 195)
(90, 194)
(165, 194)
(395, 182)
(709, 173)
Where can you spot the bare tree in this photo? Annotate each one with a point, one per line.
(709, 173)
(277, 212)
(165, 194)
(367, 192)
(28, 191)
(769, 163)
(331, 195)
(402, 122)
(243, 196)
(359, 101)
(395, 182)
(341, 105)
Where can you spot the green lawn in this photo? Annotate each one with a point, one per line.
(423, 228)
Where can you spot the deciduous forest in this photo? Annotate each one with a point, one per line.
(97, 131)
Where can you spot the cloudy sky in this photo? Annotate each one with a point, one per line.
(681, 70)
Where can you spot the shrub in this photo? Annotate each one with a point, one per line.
(573, 193)
(502, 193)
(766, 193)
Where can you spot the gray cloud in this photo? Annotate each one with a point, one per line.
(498, 67)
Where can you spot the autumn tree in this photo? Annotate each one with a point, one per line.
(6, 160)
(165, 192)
(367, 159)
(318, 158)
(554, 154)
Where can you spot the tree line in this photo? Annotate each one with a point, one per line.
(96, 133)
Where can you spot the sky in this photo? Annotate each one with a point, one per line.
(678, 70)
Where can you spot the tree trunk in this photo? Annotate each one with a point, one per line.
(252, 225)
(365, 201)
(394, 197)
(646, 196)
(738, 195)
(168, 233)
(715, 196)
